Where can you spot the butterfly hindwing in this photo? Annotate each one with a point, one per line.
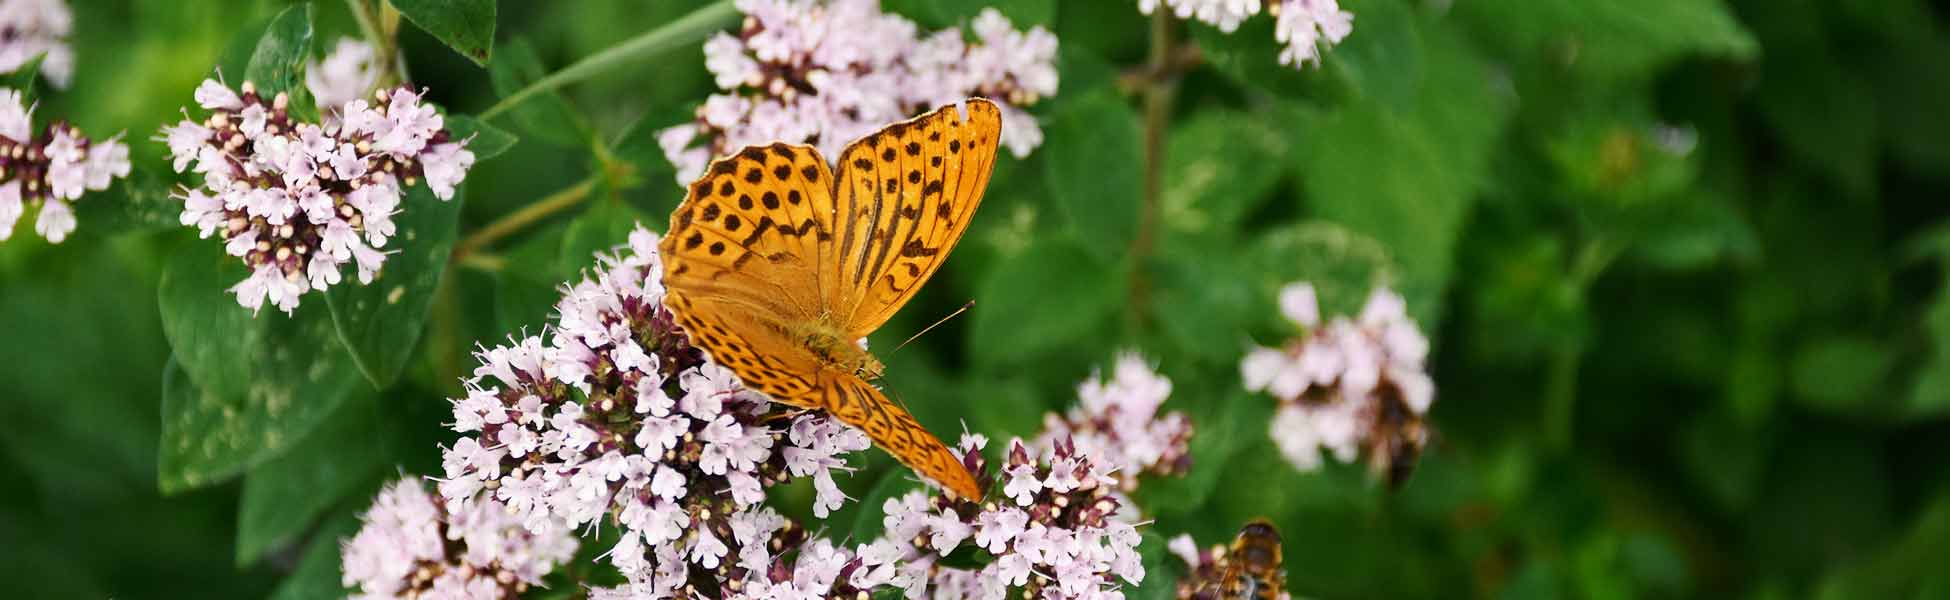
(905, 195)
(857, 403)
(751, 343)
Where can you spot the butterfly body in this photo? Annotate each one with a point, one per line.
(777, 264)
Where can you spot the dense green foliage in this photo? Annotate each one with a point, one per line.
(1679, 259)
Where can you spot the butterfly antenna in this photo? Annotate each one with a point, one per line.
(964, 308)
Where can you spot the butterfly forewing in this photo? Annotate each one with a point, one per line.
(906, 194)
(771, 246)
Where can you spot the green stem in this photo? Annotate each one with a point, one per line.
(528, 215)
(1158, 94)
(1561, 385)
(690, 29)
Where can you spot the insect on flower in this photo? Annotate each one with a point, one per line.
(776, 266)
(1251, 568)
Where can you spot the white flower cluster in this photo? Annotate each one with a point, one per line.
(1345, 385)
(296, 201)
(1304, 26)
(1058, 534)
(824, 72)
(412, 547)
(346, 74)
(617, 416)
(1116, 422)
(51, 169)
(30, 28)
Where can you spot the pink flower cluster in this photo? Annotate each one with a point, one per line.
(296, 201)
(35, 28)
(50, 169)
(413, 547)
(1346, 385)
(824, 72)
(1116, 422)
(617, 417)
(1304, 26)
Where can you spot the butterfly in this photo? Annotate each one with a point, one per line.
(775, 265)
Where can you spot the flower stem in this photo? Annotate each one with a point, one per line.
(684, 31)
(528, 215)
(1561, 385)
(1158, 92)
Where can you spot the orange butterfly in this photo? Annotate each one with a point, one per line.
(775, 266)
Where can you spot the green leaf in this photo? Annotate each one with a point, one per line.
(139, 202)
(1929, 396)
(599, 230)
(1215, 170)
(681, 33)
(1095, 171)
(1824, 112)
(1382, 59)
(1841, 373)
(1415, 178)
(244, 388)
(525, 289)
(484, 140)
(380, 321)
(1611, 40)
(278, 62)
(549, 118)
(467, 26)
(1044, 300)
(24, 76)
(1344, 267)
(318, 576)
(351, 453)
(1224, 422)
(1250, 55)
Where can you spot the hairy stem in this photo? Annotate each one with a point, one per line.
(528, 215)
(1158, 92)
(684, 31)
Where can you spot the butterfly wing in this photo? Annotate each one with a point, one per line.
(855, 402)
(741, 262)
(905, 195)
(754, 228)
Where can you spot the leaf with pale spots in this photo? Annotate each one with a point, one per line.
(484, 140)
(242, 389)
(277, 63)
(282, 497)
(380, 322)
(140, 202)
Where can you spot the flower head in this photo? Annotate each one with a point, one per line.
(1117, 421)
(296, 201)
(1349, 386)
(1304, 27)
(825, 72)
(36, 28)
(413, 547)
(51, 169)
(615, 417)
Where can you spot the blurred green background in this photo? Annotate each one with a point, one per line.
(1683, 262)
